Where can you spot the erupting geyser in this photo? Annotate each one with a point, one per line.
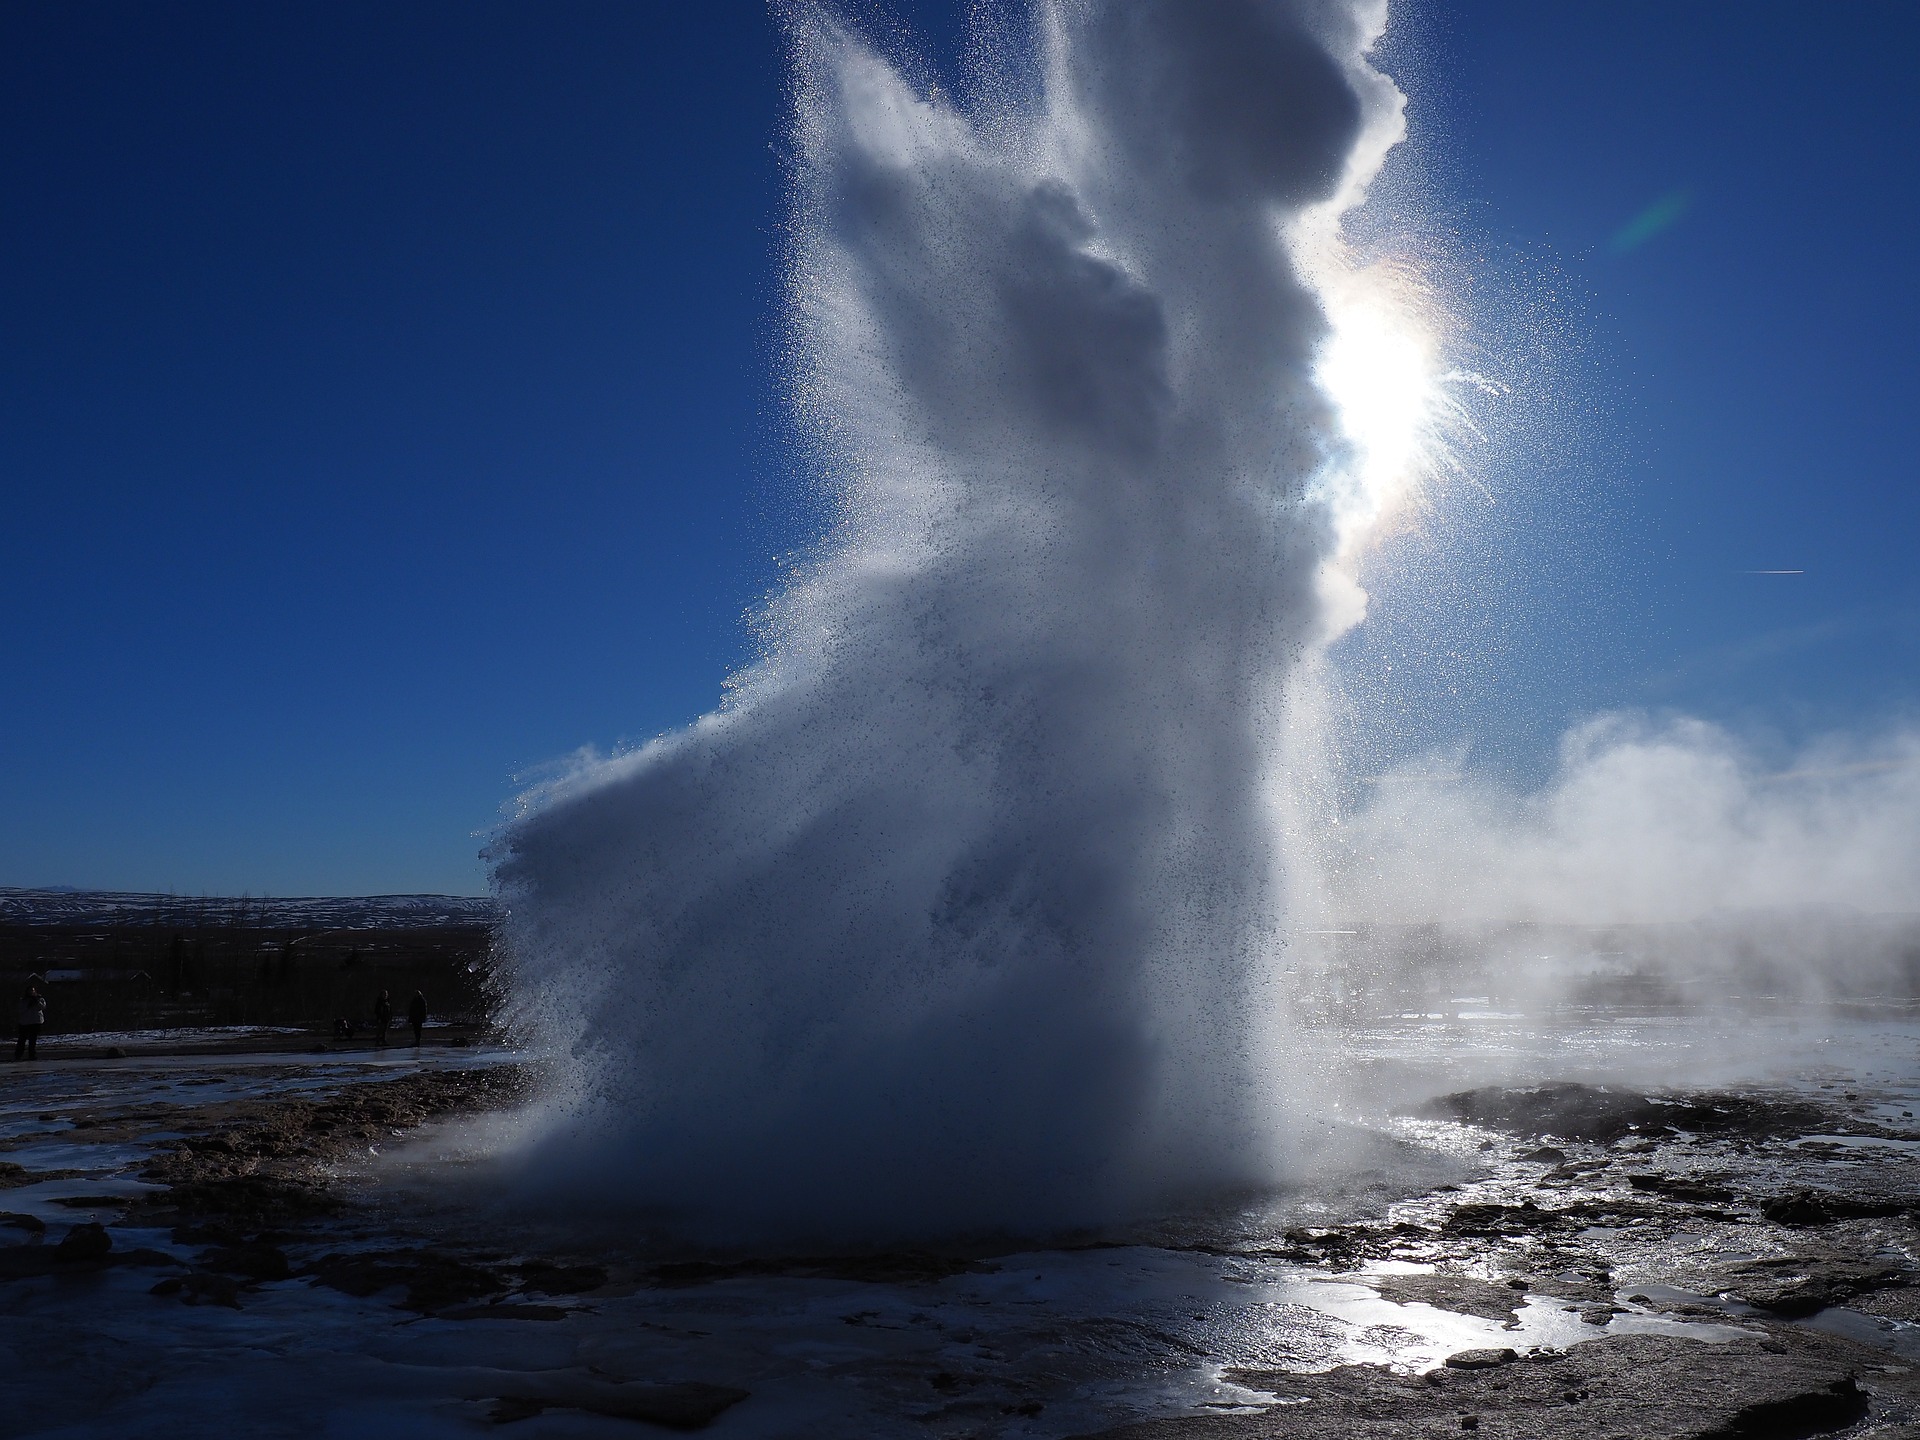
(965, 909)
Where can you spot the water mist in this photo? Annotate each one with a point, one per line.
(965, 909)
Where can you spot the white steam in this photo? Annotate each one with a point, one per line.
(1642, 823)
(963, 910)
(975, 905)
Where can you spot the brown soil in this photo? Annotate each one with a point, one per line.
(266, 1162)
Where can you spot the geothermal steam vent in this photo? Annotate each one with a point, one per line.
(958, 913)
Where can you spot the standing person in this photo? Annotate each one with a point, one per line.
(382, 1017)
(417, 1015)
(32, 1015)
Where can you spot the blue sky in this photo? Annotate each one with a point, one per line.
(388, 400)
(1688, 230)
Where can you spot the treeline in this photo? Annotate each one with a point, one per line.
(236, 962)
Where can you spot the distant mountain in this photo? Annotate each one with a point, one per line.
(65, 907)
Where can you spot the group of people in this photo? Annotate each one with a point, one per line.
(31, 1019)
(383, 1016)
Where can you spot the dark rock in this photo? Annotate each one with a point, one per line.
(210, 1233)
(143, 1256)
(1644, 1386)
(1809, 1207)
(1462, 1294)
(1604, 1210)
(899, 1268)
(253, 1201)
(1547, 1153)
(689, 1406)
(1488, 1218)
(1481, 1359)
(1903, 1305)
(256, 1163)
(433, 1281)
(551, 1279)
(201, 1289)
(1838, 1406)
(85, 1242)
(1679, 1187)
(1797, 1286)
(1337, 1249)
(504, 1310)
(1798, 1210)
(18, 1221)
(1603, 1114)
(1597, 1315)
(510, 1408)
(256, 1261)
(214, 1233)
(25, 1262)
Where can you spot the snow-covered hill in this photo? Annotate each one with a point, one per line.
(348, 912)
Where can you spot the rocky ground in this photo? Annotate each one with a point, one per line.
(1712, 1207)
(1610, 1262)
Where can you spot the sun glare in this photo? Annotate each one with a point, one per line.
(1380, 368)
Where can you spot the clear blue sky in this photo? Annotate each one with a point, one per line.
(387, 398)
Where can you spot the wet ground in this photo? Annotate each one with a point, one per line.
(1578, 1225)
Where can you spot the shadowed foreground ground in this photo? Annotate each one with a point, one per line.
(227, 1245)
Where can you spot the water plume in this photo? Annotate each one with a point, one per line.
(960, 912)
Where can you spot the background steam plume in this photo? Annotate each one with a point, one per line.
(1699, 862)
(956, 913)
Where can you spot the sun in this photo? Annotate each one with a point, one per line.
(1381, 369)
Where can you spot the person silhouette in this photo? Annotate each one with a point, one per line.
(32, 1016)
(417, 1016)
(382, 1017)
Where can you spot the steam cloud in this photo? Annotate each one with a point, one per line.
(1642, 822)
(958, 912)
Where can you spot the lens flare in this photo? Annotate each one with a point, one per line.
(1381, 368)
